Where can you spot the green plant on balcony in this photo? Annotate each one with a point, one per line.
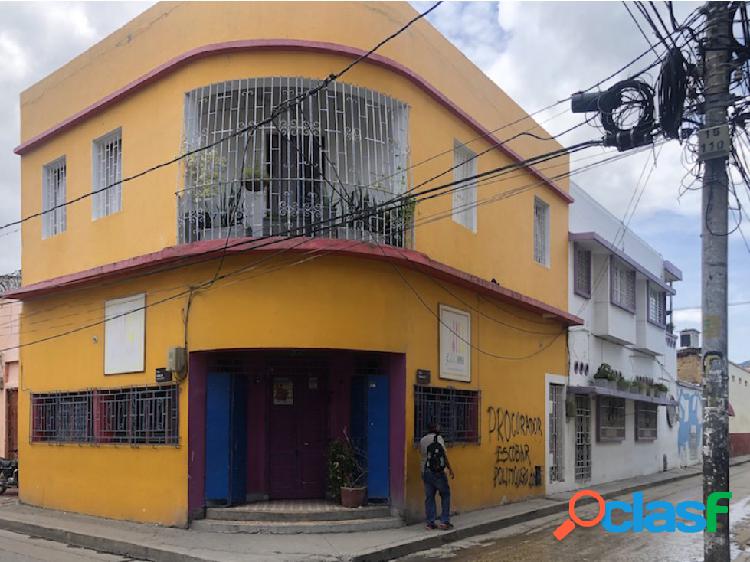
(622, 384)
(204, 170)
(660, 388)
(254, 177)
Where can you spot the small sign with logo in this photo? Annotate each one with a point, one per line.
(163, 375)
(423, 376)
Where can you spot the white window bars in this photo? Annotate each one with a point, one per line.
(53, 198)
(465, 196)
(541, 231)
(107, 189)
(339, 153)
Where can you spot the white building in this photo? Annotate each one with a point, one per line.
(621, 287)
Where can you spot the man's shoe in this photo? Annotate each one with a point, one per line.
(431, 526)
(445, 526)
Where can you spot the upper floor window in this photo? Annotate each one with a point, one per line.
(581, 271)
(465, 195)
(107, 189)
(341, 152)
(53, 198)
(622, 285)
(541, 231)
(657, 305)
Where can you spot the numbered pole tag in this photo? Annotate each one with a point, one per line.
(714, 142)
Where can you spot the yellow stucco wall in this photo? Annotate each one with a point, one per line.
(152, 125)
(272, 307)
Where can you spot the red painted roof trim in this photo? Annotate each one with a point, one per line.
(285, 45)
(190, 253)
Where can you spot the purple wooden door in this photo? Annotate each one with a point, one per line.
(297, 437)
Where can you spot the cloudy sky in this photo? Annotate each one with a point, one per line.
(537, 52)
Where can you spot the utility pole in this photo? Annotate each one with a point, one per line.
(714, 144)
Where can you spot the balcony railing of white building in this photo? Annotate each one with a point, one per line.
(325, 167)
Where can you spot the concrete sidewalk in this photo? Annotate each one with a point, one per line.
(151, 542)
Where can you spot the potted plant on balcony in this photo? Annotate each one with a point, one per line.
(635, 387)
(345, 474)
(254, 178)
(661, 389)
(601, 377)
(203, 173)
(622, 384)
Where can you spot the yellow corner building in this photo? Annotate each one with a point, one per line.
(199, 334)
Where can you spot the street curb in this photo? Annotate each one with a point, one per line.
(436, 541)
(100, 544)
(135, 550)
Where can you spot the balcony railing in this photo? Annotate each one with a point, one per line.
(328, 166)
(277, 208)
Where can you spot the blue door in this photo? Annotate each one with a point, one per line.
(378, 457)
(225, 439)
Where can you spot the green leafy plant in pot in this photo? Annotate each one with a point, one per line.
(346, 477)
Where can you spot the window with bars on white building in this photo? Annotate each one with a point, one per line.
(342, 152)
(581, 271)
(657, 305)
(622, 287)
(53, 198)
(107, 188)
(465, 195)
(541, 231)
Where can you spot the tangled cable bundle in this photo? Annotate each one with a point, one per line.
(627, 113)
(672, 88)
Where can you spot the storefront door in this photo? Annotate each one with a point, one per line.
(297, 442)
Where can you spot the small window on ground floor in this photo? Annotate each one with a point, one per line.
(457, 412)
(645, 421)
(610, 418)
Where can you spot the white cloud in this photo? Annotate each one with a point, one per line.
(13, 60)
(72, 17)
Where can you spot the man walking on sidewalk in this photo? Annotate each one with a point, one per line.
(434, 464)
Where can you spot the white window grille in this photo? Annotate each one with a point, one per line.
(622, 286)
(657, 305)
(107, 189)
(583, 438)
(541, 231)
(53, 198)
(339, 153)
(465, 194)
(581, 271)
(557, 432)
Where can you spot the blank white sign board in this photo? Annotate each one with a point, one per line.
(124, 335)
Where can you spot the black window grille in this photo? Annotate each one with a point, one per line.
(62, 417)
(457, 412)
(610, 418)
(138, 415)
(645, 421)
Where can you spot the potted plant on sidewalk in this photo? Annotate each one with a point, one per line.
(346, 477)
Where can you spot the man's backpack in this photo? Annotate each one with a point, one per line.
(435, 456)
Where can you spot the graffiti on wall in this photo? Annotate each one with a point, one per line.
(690, 433)
(512, 430)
